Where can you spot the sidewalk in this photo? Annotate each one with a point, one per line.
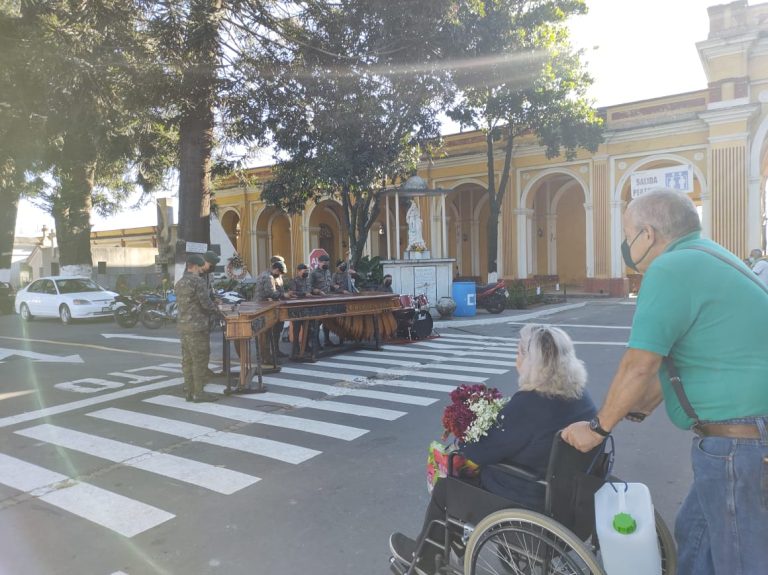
(521, 315)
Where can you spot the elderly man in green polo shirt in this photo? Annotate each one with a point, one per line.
(698, 342)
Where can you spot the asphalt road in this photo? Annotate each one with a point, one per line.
(104, 469)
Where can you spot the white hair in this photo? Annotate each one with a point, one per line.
(670, 212)
(551, 367)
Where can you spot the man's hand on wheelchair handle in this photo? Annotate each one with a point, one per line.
(580, 436)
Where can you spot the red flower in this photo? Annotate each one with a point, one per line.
(457, 416)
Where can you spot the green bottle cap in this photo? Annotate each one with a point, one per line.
(624, 523)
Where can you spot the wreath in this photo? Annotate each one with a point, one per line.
(236, 269)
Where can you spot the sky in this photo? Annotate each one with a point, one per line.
(634, 51)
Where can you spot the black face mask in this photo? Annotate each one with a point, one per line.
(387, 282)
(626, 252)
(343, 267)
(305, 274)
(324, 266)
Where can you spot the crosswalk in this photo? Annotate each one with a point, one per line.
(305, 408)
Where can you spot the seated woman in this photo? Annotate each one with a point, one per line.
(551, 396)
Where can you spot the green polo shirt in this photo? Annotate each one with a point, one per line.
(714, 322)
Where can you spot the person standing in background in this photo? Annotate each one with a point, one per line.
(759, 265)
(195, 309)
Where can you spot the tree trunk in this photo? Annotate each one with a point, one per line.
(493, 237)
(196, 143)
(199, 89)
(71, 211)
(9, 205)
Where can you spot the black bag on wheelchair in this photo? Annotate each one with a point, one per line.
(573, 478)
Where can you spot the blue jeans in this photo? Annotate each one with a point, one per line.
(722, 527)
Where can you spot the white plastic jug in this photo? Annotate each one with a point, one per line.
(626, 529)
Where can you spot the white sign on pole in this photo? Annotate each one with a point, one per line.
(678, 178)
(196, 248)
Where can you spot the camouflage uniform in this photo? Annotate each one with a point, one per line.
(320, 279)
(195, 307)
(344, 281)
(269, 287)
(300, 286)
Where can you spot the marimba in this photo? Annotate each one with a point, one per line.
(354, 317)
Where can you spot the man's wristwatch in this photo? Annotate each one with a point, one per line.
(594, 425)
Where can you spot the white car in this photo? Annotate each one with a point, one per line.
(65, 297)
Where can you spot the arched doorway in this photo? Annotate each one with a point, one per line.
(273, 236)
(327, 231)
(556, 229)
(467, 221)
(230, 221)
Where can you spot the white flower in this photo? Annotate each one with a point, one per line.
(486, 416)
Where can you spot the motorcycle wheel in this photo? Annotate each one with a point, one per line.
(496, 304)
(152, 319)
(125, 317)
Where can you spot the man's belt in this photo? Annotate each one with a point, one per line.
(731, 430)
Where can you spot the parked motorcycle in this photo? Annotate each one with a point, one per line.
(492, 297)
(150, 309)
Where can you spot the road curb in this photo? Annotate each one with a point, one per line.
(507, 318)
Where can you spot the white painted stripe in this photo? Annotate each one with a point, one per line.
(430, 365)
(455, 358)
(344, 432)
(255, 445)
(144, 337)
(115, 512)
(405, 372)
(324, 405)
(365, 359)
(467, 368)
(352, 392)
(481, 337)
(218, 479)
(437, 347)
(72, 406)
(508, 355)
(452, 342)
(581, 325)
(439, 387)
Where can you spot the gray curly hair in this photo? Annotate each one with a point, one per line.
(551, 367)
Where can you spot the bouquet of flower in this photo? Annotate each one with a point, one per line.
(474, 409)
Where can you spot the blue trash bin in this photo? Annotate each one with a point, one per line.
(463, 294)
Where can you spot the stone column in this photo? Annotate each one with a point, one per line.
(523, 217)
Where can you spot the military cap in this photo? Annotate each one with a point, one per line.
(324, 258)
(195, 259)
(211, 257)
(302, 267)
(277, 258)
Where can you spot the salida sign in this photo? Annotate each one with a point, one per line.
(314, 257)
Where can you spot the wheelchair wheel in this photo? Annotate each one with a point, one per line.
(667, 547)
(517, 541)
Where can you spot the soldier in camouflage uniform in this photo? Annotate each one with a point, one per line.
(211, 260)
(299, 286)
(342, 277)
(195, 307)
(269, 286)
(321, 282)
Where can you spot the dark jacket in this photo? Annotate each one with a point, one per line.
(530, 422)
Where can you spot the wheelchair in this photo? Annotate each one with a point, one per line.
(483, 533)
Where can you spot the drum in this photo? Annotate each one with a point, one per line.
(422, 326)
(406, 301)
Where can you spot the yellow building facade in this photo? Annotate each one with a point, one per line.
(563, 217)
